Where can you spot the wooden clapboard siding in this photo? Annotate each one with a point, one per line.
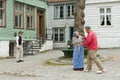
(7, 33)
(59, 0)
(100, 1)
(107, 36)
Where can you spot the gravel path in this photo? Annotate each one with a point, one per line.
(34, 69)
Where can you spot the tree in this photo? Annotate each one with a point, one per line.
(79, 16)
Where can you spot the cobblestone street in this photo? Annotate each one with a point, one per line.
(34, 68)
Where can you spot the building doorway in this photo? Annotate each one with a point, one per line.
(71, 33)
(11, 49)
(40, 24)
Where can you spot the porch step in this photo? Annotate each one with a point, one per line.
(34, 47)
(30, 52)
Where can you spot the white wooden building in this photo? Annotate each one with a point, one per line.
(102, 15)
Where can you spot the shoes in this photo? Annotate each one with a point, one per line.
(104, 70)
(78, 69)
(87, 70)
(20, 61)
(100, 72)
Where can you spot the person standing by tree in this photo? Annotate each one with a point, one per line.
(92, 46)
(78, 53)
(19, 47)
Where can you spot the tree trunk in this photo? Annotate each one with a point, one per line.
(79, 16)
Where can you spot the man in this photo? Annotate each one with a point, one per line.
(92, 46)
(19, 47)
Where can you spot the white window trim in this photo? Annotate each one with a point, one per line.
(30, 15)
(105, 16)
(70, 10)
(58, 34)
(4, 14)
(55, 15)
(19, 13)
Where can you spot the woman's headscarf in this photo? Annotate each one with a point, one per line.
(74, 33)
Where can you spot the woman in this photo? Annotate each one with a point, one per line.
(78, 53)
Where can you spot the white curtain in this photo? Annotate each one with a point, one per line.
(108, 21)
(109, 18)
(101, 19)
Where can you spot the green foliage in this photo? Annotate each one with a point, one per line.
(85, 52)
(68, 53)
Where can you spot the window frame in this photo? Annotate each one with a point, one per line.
(4, 9)
(58, 11)
(30, 15)
(22, 13)
(58, 28)
(70, 11)
(105, 14)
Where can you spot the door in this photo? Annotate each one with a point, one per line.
(40, 24)
(11, 50)
(71, 33)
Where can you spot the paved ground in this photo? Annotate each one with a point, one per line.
(34, 68)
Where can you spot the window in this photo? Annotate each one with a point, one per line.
(70, 11)
(18, 17)
(58, 34)
(59, 12)
(105, 16)
(30, 18)
(2, 13)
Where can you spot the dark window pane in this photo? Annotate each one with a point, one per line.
(56, 30)
(56, 37)
(72, 9)
(55, 34)
(20, 18)
(61, 37)
(31, 21)
(28, 21)
(61, 11)
(68, 13)
(68, 7)
(61, 34)
(108, 10)
(16, 20)
(1, 4)
(102, 10)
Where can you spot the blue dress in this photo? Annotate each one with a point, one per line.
(78, 58)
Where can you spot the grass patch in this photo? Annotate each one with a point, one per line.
(63, 58)
(2, 58)
(49, 62)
